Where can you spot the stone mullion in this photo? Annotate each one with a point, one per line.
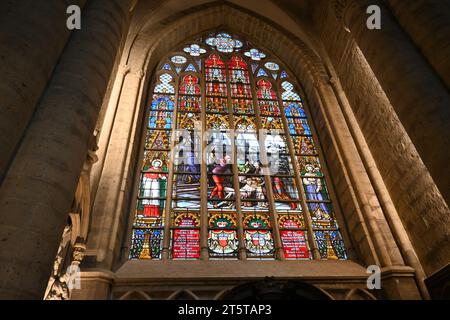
(271, 200)
(204, 255)
(298, 181)
(169, 196)
(242, 254)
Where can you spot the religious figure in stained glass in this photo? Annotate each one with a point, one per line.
(190, 86)
(219, 169)
(265, 90)
(313, 184)
(152, 182)
(280, 192)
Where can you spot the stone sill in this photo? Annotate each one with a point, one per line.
(144, 271)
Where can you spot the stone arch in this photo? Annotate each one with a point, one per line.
(359, 294)
(183, 294)
(147, 48)
(274, 289)
(135, 295)
(301, 61)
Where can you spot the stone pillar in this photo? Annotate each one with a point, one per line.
(419, 97)
(116, 180)
(399, 283)
(37, 192)
(95, 285)
(369, 228)
(428, 24)
(32, 37)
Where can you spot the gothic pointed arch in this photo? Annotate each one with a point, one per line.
(276, 289)
(183, 295)
(262, 189)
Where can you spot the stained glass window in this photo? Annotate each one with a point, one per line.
(272, 66)
(194, 50)
(229, 149)
(151, 203)
(190, 67)
(262, 73)
(178, 59)
(224, 42)
(255, 54)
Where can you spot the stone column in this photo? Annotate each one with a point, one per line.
(32, 37)
(116, 180)
(428, 24)
(369, 229)
(37, 193)
(419, 97)
(95, 285)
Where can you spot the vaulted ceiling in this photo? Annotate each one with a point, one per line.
(290, 15)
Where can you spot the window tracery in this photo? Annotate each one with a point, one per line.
(206, 166)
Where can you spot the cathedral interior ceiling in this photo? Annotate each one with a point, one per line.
(289, 15)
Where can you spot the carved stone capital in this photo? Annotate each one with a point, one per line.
(140, 74)
(79, 250)
(124, 69)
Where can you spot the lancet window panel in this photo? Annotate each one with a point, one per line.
(206, 164)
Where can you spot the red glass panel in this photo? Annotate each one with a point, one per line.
(186, 244)
(237, 63)
(190, 86)
(239, 90)
(294, 244)
(216, 89)
(214, 61)
(265, 90)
